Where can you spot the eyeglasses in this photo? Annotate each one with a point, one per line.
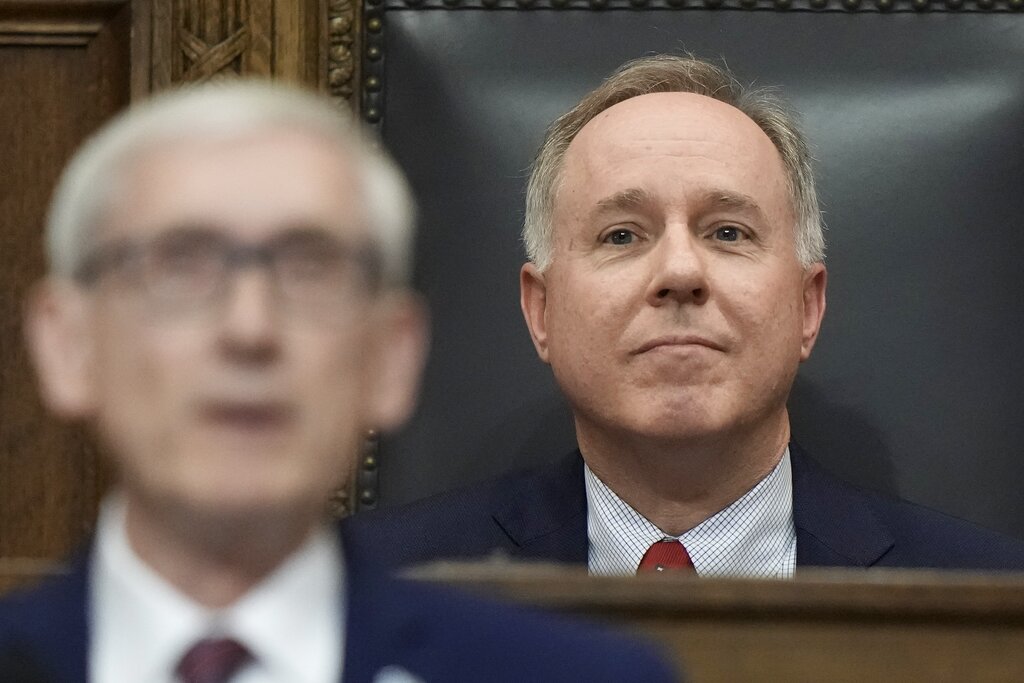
(189, 269)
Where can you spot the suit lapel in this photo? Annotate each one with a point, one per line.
(367, 636)
(545, 516)
(545, 513)
(385, 623)
(56, 625)
(835, 525)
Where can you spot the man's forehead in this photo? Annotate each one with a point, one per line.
(258, 180)
(660, 117)
(210, 148)
(709, 141)
(670, 152)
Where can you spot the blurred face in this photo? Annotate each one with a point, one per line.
(253, 398)
(674, 306)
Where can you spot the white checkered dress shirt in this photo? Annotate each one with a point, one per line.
(752, 537)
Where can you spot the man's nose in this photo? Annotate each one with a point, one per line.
(250, 318)
(678, 269)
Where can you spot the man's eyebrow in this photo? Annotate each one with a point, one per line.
(298, 230)
(625, 200)
(733, 200)
(635, 198)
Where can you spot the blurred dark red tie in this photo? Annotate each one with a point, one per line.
(665, 556)
(213, 660)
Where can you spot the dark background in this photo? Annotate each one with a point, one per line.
(917, 121)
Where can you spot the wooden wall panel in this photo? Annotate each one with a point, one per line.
(63, 71)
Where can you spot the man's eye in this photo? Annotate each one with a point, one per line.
(310, 262)
(184, 255)
(620, 237)
(729, 233)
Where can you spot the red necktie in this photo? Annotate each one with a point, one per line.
(213, 660)
(666, 556)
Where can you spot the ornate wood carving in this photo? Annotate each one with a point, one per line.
(342, 50)
(197, 40)
(212, 38)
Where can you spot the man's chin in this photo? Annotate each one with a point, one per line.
(232, 501)
(678, 418)
(237, 516)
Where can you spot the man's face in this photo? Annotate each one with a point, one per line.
(674, 307)
(245, 404)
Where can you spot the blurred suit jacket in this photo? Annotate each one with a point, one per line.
(396, 631)
(542, 514)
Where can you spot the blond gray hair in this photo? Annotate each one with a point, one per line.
(669, 73)
(219, 111)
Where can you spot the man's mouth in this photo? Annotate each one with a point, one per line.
(248, 416)
(674, 341)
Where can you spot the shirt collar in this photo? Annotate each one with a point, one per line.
(753, 536)
(292, 621)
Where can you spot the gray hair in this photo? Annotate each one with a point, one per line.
(223, 110)
(667, 73)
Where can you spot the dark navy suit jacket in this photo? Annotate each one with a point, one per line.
(542, 514)
(432, 632)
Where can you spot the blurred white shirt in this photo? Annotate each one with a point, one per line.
(141, 626)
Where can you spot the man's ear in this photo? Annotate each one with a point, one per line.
(399, 353)
(59, 338)
(815, 282)
(533, 299)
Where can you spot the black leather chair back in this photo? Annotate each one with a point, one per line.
(916, 115)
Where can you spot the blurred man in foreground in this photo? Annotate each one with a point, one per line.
(675, 282)
(227, 306)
